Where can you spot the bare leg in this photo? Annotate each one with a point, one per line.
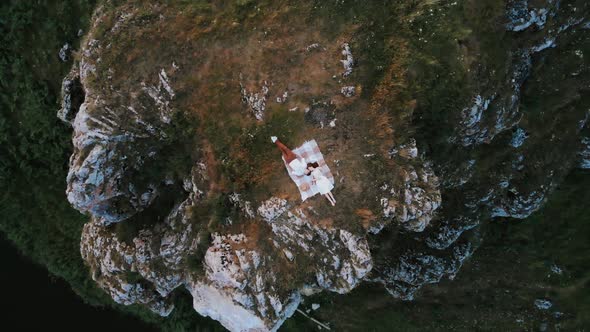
(332, 197)
(287, 153)
(328, 197)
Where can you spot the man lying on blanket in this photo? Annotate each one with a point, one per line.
(318, 179)
(297, 164)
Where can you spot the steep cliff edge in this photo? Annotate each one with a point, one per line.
(172, 106)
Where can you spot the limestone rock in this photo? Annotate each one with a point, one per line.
(518, 137)
(415, 268)
(340, 259)
(237, 283)
(256, 100)
(414, 199)
(585, 153)
(112, 140)
(348, 61)
(448, 232)
(65, 52)
(72, 96)
(519, 205)
(348, 91)
(543, 304)
(521, 17)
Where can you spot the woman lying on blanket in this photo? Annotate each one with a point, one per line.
(321, 182)
(295, 162)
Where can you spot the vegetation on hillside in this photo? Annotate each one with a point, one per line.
(36, 217)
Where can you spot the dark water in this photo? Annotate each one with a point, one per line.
(33, 300)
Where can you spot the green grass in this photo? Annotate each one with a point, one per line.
(245, 150)
(559, 234)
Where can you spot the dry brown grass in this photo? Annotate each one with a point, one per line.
(387, 106)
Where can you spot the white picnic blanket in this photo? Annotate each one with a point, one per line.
(310, 151)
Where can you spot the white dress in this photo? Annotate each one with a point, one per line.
(323, 184)
(297, 167)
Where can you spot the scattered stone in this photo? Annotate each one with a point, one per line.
(272, 208)
(157, 265)
(256, 101)
(334, 271)
(408, 150)
(518, 138)
(556, 269)
(549, 42)
(243, 205)
(312, 47)
(65, 52)
(348, 91)
(283, 98)
(543, 304)
(348, 62)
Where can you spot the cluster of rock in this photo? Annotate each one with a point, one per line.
(413, 199)
(256, 101)
(348, 61)
(65, 52)
(147, 270)
(415, 268)
(348, 91)
(521, 17)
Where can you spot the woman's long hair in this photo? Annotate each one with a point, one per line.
(314, 165)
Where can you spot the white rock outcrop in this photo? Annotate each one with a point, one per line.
(147, 269)
(256, 101)
(348, 91)
(414, 268)
(111, 139)
(414, 199)
(348, 61)
(340, 259)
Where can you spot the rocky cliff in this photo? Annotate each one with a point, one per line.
(172, 106)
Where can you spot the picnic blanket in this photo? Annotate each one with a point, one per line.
(310, 151)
